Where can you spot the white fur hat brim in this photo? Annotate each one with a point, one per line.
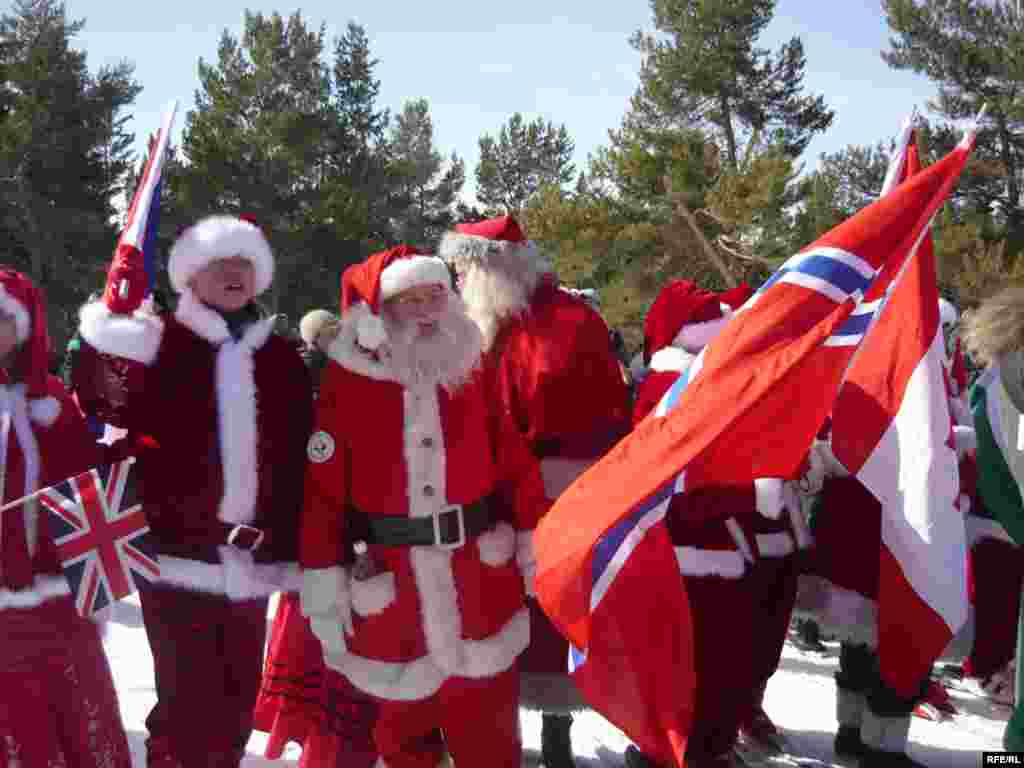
(411, 272)
(456, 248)
(220, 237)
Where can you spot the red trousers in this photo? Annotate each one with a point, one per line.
(773, 581)
(479, 718)
(58, 706)
(994, 584)
(723, 636)
(207, 660)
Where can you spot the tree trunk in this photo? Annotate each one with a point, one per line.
(730, 134)
(713, 256)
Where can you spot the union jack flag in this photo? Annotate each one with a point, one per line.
(101, 534)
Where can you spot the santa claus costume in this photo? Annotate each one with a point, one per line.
(559, 377)
(414, 456)
(740, 566)
(228, 406)
(58, 707)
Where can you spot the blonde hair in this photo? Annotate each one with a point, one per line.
(997, 326)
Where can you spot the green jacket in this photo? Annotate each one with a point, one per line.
(1000, 461)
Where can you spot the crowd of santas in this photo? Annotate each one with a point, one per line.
(388, 487)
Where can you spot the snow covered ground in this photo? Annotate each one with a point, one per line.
(800, 699)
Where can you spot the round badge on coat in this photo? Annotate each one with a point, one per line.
(320, 448)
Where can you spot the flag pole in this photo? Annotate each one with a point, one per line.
(41, 491)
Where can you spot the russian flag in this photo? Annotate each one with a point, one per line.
(892, 429)
(750, 406)
(138, 239)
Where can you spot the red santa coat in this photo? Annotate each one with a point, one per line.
(387, 449)
(558, 376)
(228, 420)
(59, 705)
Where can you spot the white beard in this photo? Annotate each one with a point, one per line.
(446, 358)
(493, 296)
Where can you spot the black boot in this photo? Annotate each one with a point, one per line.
(555, 742)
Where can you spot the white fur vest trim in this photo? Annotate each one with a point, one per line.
(371, 596)
(673, 359)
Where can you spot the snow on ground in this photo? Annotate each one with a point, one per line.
(800, 699)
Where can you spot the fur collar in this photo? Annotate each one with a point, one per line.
(209, 325)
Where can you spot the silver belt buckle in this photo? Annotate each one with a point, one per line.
(461, 540)
(242, 528)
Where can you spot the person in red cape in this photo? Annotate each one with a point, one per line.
(58, 706)
(226, 408)
(559, 378)
(415, 459)
(741, 567)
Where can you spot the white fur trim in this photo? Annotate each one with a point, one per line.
(558, 473)
(235, 582)
(370, 332)
(344, 352)
(768, 495)
(14, 405)
(885, 734)
(403, 274)
(313, 323)
(44, 410)
(422, 677)
(44, 588)
(220, 237)
(774, 544)
(134, 337)
(323, 589)
(979, 528)
(22, 322)
(674, 359)
(695, 336)
(497, 546)
(850, 707)
(947, 312)
(725, 563)
(457, 249)
(372, 596)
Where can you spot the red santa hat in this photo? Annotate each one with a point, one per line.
(368, 284)
(22, 300)
(687, 316)
(220, 237)
(493, 242)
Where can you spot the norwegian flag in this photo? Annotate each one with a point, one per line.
(892, 428)
(748, 407)
(102, 537)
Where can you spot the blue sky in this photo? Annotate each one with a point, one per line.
(477, 63)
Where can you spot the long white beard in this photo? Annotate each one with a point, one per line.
(493, 296)
(445, 358)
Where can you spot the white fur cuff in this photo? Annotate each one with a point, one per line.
(323, 590)
(497, 546)
(134, 337)
(44, 410)
(768, 496)
(372, 596)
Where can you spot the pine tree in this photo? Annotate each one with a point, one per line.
(523, 158)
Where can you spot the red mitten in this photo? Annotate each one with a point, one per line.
(126, 281)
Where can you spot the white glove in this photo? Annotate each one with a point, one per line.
(325, 599)
(768, 494)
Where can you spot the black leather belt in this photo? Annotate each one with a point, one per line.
(450, 528)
